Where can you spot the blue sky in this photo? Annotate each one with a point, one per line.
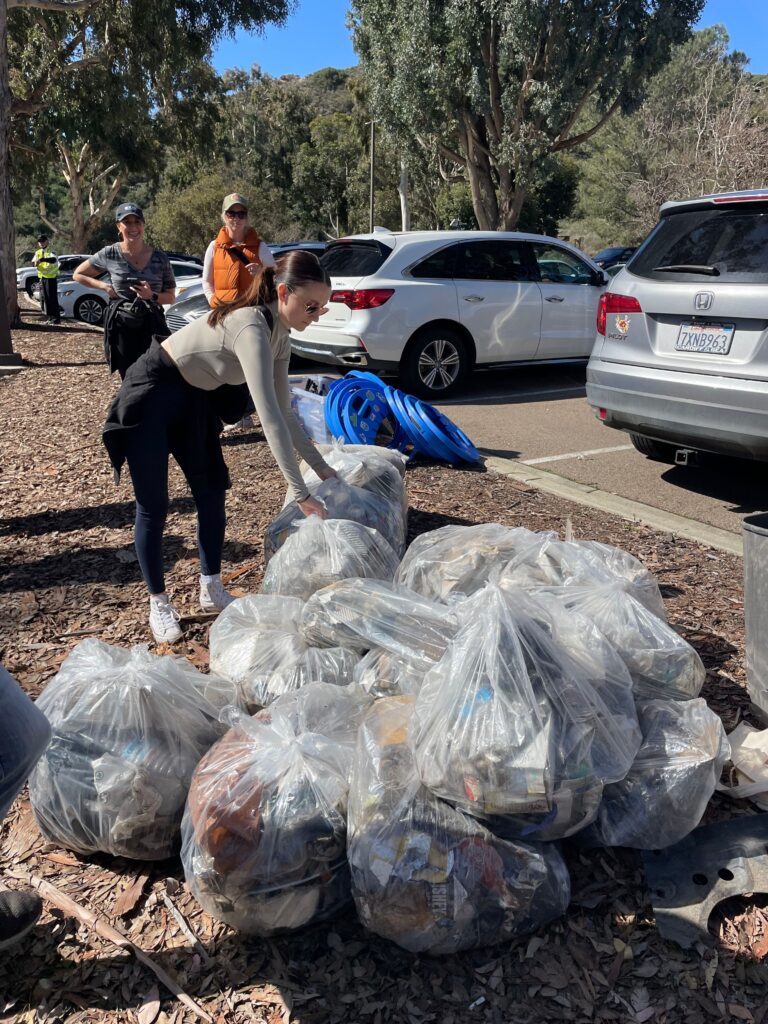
(316, 37)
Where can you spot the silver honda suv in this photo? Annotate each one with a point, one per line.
(681, 356)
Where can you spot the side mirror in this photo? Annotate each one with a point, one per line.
(601, 278)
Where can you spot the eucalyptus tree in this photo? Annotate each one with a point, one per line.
(496, 88)
(100, 85)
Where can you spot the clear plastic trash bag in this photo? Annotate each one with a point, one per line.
(382, 674)
(459, 560)
(264, 833)
(426, 876)
(661, 663)
(512, 729)
(323, 551)
(672, 780)
(128, 728)
(362, 614)
(342, 501)
(554, 562)
(256, 643)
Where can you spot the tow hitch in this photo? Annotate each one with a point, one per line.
(686, 457)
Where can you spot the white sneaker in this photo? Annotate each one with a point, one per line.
(213, 595)
(163, 620)
(244, 424)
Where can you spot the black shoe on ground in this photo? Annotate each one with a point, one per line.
(19, 912)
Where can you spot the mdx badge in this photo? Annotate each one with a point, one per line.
(703, 300)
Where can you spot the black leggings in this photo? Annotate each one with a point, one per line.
(168, 412)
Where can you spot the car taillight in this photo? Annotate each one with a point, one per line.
(362, 298)
(612, 303)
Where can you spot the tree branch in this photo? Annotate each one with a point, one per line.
(576, 140)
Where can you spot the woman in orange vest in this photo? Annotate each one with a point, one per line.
(235, 255)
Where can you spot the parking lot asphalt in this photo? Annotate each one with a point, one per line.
(538, 417)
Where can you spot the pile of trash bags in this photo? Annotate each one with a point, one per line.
(416, 735)
(264, 833)
(128, 729)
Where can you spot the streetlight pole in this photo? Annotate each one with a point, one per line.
(373, 158)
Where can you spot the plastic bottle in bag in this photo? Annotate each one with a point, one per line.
(426, 876)
(128, 728)
(264, 833)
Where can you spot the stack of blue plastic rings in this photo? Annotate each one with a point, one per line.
(361, 409)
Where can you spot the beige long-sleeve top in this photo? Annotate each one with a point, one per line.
(242, 349)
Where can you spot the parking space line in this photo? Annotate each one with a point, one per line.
(578, 389)
(576, 455)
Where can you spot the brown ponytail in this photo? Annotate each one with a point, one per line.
(293, 270)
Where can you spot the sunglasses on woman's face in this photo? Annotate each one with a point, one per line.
(310, 308)
(240, 214)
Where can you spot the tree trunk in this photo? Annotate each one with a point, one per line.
(511, 207)
(484, 202)
(402, 188)
(7, 231)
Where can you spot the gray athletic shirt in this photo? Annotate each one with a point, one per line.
(158, 273)
(241, 349)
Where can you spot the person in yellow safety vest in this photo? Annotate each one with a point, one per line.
(47, 264)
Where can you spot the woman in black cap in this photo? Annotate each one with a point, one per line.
(140, 282)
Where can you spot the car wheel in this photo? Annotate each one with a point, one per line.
(29, 287)
(435, 364)
(657, 450)
(90, 309)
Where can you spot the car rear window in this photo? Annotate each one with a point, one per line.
(354, 259)
(725, 245)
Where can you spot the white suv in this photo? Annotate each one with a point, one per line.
(433, 305)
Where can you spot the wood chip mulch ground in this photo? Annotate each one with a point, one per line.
(68, 571)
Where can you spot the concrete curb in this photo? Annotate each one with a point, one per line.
(635, 511)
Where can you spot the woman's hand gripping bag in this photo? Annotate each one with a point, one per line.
(341, 501)
(128, 728)
(325, 551)
(426, 876)
(264, 833)
(512, 729)
(256, 642)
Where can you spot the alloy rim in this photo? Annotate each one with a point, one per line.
(91, 311)
(439, 364)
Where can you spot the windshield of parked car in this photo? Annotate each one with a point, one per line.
(730, 245)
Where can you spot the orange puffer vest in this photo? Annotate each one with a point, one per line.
(230, 278)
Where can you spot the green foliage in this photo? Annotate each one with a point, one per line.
(701, 129)
(188, 219)
(495, 87)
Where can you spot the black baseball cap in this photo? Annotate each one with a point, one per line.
(128, 210)
(42, 238)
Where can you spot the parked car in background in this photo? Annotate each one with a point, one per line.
(681, 357)
(193, 304)
(86, 303)
(26, 277)
(434, 305)
(614, 254)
